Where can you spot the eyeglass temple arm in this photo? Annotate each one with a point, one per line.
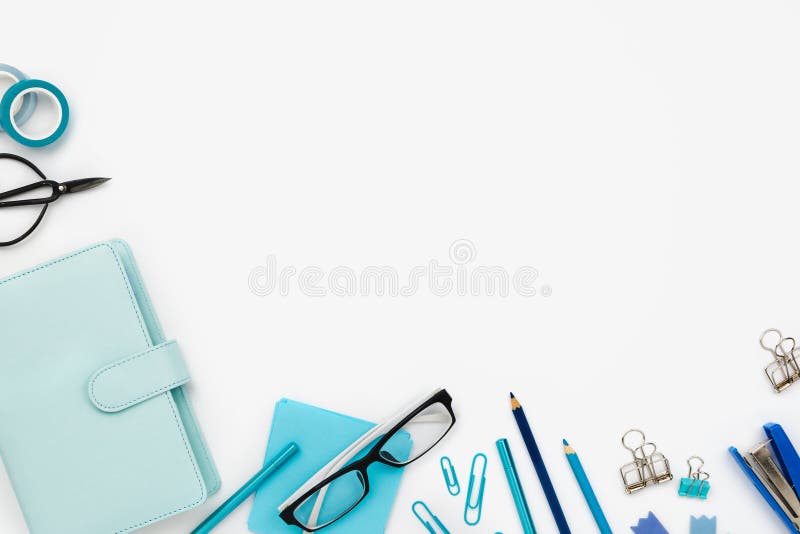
(432, 418)
(27, 189)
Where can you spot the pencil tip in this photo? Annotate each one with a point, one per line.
(512, 395)
(564, 441)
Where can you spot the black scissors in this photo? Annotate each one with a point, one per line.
(56, 191)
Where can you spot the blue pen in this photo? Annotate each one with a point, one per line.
(516, 487)
(272, 465)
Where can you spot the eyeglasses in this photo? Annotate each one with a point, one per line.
(340, 486)
(56, 191)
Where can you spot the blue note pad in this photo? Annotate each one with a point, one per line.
(321, 436)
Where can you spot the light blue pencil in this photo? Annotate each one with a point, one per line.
(271, 465)
(586, 488)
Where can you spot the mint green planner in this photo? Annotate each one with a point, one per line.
(96, 432)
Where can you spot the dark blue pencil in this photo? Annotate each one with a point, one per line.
(538, 464)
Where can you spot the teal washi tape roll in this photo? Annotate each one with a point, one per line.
(25, 110)
(8, 120)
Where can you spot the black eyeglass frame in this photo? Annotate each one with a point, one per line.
(373, 456)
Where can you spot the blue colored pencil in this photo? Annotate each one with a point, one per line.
(538, 464)
(586, 488)
(272, 465)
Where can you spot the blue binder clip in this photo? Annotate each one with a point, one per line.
(474, 506)
(433, 519)
(450, 477)
(696, 484)
(774, 474)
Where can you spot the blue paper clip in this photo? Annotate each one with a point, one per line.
(696, 484)
(425, 522)
(450, 477)
(475, 497)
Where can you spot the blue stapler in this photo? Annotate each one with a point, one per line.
(774, 469)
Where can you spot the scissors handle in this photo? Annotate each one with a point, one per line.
(55, 193)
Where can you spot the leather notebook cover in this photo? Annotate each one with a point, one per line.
(96, 432)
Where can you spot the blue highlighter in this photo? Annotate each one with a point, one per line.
(516, 486)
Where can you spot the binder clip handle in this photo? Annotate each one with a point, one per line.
(768, 333)
(625, 441)
(693, 473)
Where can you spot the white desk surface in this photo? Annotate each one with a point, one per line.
(642, 157)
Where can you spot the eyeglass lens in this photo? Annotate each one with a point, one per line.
(424, 431)
(331, 502)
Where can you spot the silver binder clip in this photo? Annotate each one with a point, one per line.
(648, 467)
(784, 371)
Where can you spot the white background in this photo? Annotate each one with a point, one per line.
(642, 156)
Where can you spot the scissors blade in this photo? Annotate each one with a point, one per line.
(76, 186)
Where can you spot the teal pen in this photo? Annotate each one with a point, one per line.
(516, 487)
(272, 465)
(586, 488)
